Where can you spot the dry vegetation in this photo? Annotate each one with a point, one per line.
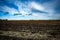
(30, 29)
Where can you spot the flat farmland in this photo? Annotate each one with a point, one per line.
(30, 29)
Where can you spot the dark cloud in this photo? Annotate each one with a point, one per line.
(21, 14)
(6, 13)
(17, 14)
(29, 14)
(3, 13)
(38, 11)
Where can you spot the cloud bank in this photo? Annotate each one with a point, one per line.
(30, 9)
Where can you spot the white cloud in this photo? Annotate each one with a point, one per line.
(8, 9)
(50, 7)
(39, 16)
(27, 9)
(22, 8)
(36, 6)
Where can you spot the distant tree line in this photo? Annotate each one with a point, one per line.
(3, 19)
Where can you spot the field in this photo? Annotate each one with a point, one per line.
(29, 29)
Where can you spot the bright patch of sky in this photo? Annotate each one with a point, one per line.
(30, 9)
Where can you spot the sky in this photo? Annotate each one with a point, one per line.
(30, 9)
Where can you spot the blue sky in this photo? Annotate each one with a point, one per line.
(30, 9)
